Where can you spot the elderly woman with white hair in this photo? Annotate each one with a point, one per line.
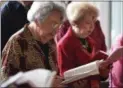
(76, 48)
(33, 46)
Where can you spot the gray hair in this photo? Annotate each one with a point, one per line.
(41, 10)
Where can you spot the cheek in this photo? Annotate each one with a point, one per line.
(38, 32)
(82, 31)
(47, 31)
(49, 37)
(92, 30)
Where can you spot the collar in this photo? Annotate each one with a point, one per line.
(70, 33)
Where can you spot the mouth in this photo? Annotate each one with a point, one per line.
(89, 32)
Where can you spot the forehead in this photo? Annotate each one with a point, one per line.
(88, 16)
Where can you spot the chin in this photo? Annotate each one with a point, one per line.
(82, 37)
(85, 36)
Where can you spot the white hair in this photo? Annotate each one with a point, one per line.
(77, 10)
(40, 10)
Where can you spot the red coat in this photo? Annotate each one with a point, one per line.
(97, 35)
(71, 53)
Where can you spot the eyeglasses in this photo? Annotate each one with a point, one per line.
(55, 26)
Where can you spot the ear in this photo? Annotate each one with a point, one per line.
(37, 22)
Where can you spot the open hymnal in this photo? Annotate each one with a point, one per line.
(115, 55)
(100, 55)
(81, 72)
(93, 67)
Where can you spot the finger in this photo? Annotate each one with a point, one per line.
(110, 66)
(62, 85)
(59, 77)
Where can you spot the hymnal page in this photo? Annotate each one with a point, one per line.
(113, 57)
(100, 55)
(81, 72)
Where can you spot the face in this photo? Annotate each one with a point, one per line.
(48, 28)
(86, 26)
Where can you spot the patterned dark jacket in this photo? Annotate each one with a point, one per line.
(23, 53)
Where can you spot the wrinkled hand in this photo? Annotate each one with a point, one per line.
(57, 82)
(104, 69)
(115, 55)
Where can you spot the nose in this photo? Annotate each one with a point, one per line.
(90, 29)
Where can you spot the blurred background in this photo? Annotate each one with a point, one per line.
(111, 19)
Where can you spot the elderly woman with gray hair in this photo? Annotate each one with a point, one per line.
(33, 46)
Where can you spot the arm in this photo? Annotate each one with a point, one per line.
(64, 63)
(10, 59)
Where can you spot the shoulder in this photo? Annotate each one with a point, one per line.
(67, 42)
(14, 43)
(16, 36)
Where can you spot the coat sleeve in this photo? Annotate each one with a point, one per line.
(64, 61)
(10, 59)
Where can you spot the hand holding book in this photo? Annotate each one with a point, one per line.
(113, 57)
(94, 68)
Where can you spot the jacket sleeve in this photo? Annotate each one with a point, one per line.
(64, 61)
(10, 59)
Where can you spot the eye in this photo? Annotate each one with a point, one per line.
(94, 18)
(87, 22)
